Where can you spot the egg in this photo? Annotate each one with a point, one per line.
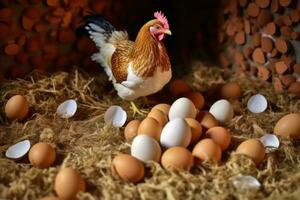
(131, 129)
(253, 148)
(42, 155)
(178, 87)
(177, 158)
(17, 108)
(182, 108)
(151, 127)
(222, 110)
(231, 91)
(206, 119)
(50, 198)
(160, 116)
(197, 98)
(128, 168)
(196, 129)
(220, 135)
(68, 183)
(176, 133)
(162, 107)
(207, 150)
(288, 125)
(145, 148)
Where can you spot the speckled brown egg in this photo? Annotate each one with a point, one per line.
(220, 135)
(131, 129)
(159, 116)
(231, 91)
(162, 107)
(178, 87)
(42, 155)
(207, 150)
(17, 108)
(177, 158)
(206, 119)
(151, 127)
(288, 125)
(253, 148)
(197, 98)
(68, 183)
(128, 168)
(196, 129)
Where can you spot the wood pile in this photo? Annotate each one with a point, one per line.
(262, 37)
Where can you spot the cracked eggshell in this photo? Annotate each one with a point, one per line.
(177, 132)
(270, 142)
(115, 115)
(182, 108)
(257, 103)
(222, 110)
(67, 109)
(18, 150)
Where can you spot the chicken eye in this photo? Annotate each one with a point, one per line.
(157, 27)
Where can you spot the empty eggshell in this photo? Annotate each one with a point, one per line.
(196, 129)
(207, 150)
(162, 107)
(176, 133)
(220, 135)
(18, 150)
(42, 155)
(246, 183)
(253, 148)
(270, 142)
(222, 110)
(17, 107)
(231, 91)
(145, 148)
(151, 127)
(67, 109)
(131, 129)
(159, 115)
(115, 115)
(288, 125)
(182, 108)
(128, 168)
(206, 119)
(197, 98)
(177, 158)
(257, 103)
(68, 183)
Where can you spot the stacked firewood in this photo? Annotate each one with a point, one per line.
(262, 37)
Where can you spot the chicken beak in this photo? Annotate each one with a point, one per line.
(167, 31)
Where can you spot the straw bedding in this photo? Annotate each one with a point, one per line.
(87, 144)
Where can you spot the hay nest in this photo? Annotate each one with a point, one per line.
(88, 145)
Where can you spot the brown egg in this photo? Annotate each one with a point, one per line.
(177, 158)
(68, 183)
(16, 107)
(131, 129)
(50, 198)
(207, 150)
(288, 125)
(197, 98)
(159, 116)
(220, 135)
(128, 168)
(252, 148)
(162, 107)
(231, 91)
(151, 127)
(178, 87)
(42, 155)
(206, 119)
(196, 129)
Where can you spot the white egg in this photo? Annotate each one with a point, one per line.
(176, 133)
(67, 109)
(182, 108)
(222, 110)
(145, 148)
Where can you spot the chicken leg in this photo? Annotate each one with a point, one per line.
(136, 110)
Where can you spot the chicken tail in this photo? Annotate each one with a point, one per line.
(99, 29)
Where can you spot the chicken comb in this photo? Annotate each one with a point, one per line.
(162, 18)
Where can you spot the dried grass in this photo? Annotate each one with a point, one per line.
(87, 144)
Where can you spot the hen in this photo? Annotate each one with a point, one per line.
(136, 68)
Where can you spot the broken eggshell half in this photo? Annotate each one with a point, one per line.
(18, 150)
(257, 103)
(115, 115)
(245, 183)
(67, 109)
(270, 142)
